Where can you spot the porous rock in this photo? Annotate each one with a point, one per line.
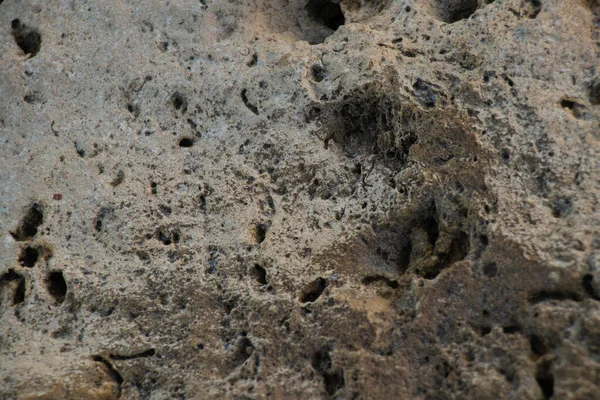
(354, 199)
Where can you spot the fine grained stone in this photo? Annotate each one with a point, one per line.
(354, 199)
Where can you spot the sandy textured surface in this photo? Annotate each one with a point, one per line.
(300, 199)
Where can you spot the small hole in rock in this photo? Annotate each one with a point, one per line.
(484, 240)
(313, 290)
(260, 233)
(186, 142)
(564, 103)
(19, 296)
(30, 223)
(595, 92)
(321, 361)
(511, 329)
(167, 237)
(57, 286)
(575, 108)
(588, 286)
(332, 378)
(531, 8)
(133, 109)
(317, 72)
(11, 276)
(179, 102)
(28, 39)
(537, 345)
(29, 256)
(561, 207)
(490, 269)
(326, 12)
(260, 274)
(253, 60)
(484, 330)
(545, 379)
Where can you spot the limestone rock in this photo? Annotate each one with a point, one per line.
(353, 199)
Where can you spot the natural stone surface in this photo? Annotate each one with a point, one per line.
(355, 199)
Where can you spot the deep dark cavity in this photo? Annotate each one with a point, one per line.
(545, 379)
(326, 12)
(321, 361)
(27, 38)
(260, 233)
(490, 269)
(537, 345)
(574, 107)
(588, 286)
(19, 296)
(550, 295)
(595, 92)
(28, 227)
(333, 378)
(260, 274)
(28, 256)
(511, 329)
(57, 286)
(12, 276)
(313, 290)
(133, 109)
(186, 142)
(484, 330)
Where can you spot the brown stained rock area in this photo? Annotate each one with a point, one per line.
(354, 199)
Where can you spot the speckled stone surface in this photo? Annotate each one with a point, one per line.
(300, 199)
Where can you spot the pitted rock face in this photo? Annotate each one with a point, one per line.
(353, 199)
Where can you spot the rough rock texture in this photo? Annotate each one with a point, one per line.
(355, 199)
